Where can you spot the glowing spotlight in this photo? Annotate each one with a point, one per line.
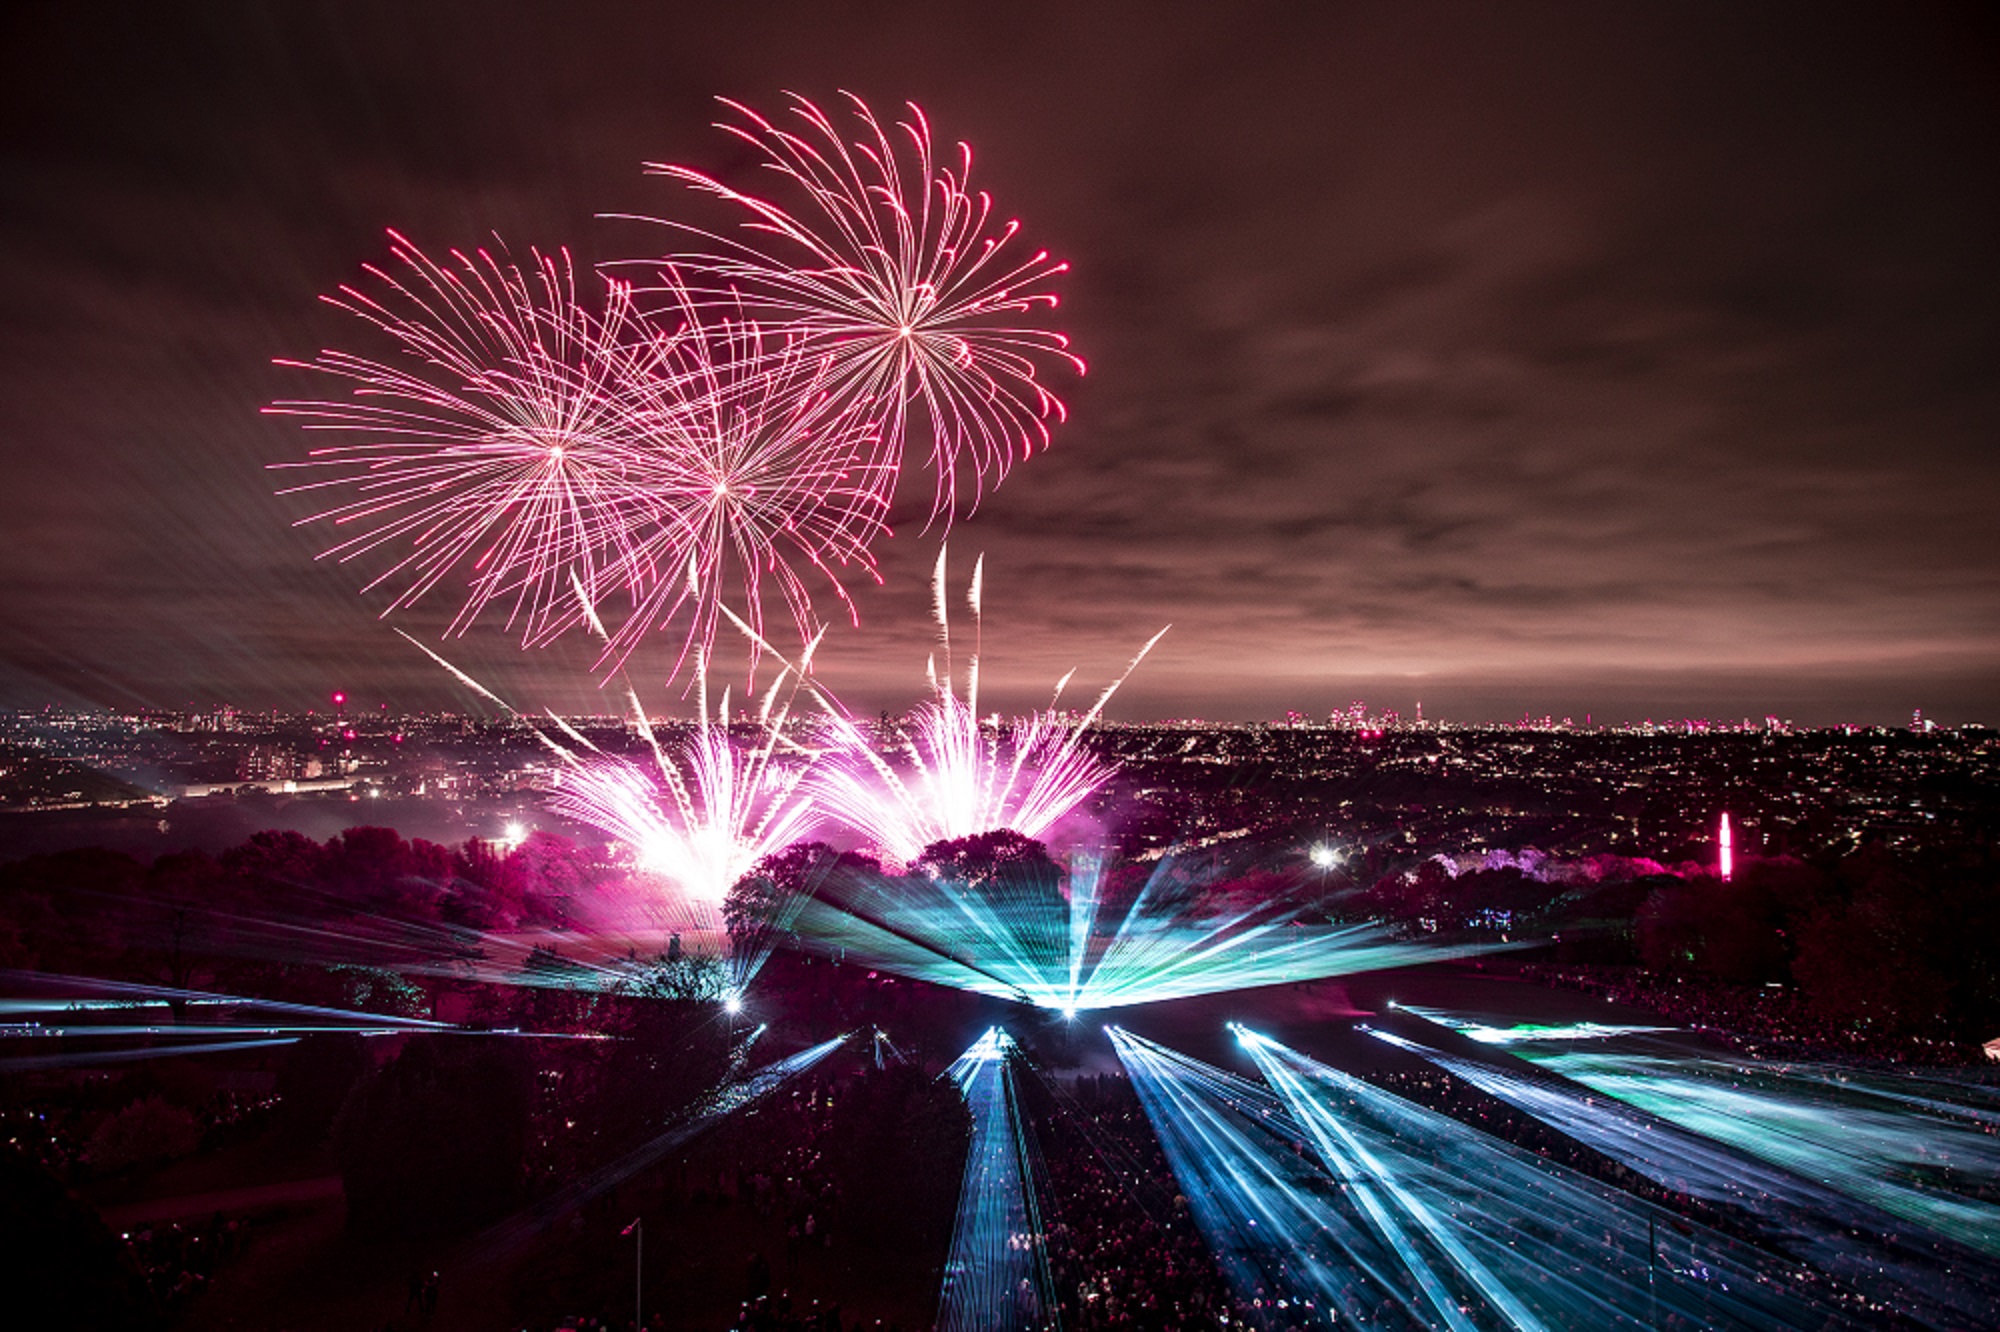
(1324, 856)
(516, 834)
(732, 1005)
(1069, 1013)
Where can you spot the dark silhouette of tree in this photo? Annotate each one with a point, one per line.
(61, 1267)
(759, 905)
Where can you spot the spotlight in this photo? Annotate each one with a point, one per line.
(732, 1005)
(1069, 1013)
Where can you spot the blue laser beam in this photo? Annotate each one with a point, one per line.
(1496, 1237)
(997, 1277)
(1927, 1278)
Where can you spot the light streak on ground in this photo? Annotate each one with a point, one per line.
(1937, 1164)
(1519, 1032)
(1495, 1237)
(959, 775)
(55, 993)
(1286, 1244)
(90, 1059)
(1015, 937)
(884, 263)
(997, 1276)
(1927, 1278)
(1919, 1165)
(733, 1095)
(205, 1016)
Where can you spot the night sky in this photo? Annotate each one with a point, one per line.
(1637, 360)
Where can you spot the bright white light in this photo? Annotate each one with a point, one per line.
(732, 1005)
(1069, 1013)
(1324, 856)
(516, 834)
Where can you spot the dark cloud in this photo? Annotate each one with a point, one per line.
(1558, 357)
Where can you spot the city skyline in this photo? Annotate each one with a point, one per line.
(1563, 362)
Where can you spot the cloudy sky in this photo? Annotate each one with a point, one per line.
(1623, 359)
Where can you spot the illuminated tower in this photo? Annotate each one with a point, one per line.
(1728, 861)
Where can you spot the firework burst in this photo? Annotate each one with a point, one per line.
(762, 468)
(888, 267)
(496, 447)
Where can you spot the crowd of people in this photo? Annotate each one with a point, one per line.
(1764, 1021)
(1123, 1249)
(180, 1260)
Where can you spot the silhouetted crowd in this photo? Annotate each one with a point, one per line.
(1123, 1248)
(180, 1260)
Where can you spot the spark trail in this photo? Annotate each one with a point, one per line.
(956, 776)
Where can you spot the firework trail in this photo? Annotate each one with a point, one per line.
(887, 266)
(958, 777)
(496, 445)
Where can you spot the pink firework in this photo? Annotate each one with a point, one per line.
(892, 270)
(763, 470)
(709, 809)
(957, 777)
(494, 447)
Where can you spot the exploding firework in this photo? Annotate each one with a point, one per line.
(496, 447)
(958, 776)
(709, 808)
(543, 450)
(762, 468)
(892, 270)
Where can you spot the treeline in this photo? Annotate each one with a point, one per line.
(281, 916)
(1896, 942)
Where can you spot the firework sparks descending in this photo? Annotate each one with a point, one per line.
(889, 267)
(959, 777)
(496, 446)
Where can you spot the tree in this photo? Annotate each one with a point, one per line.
(758, 909)
(60, 1265)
